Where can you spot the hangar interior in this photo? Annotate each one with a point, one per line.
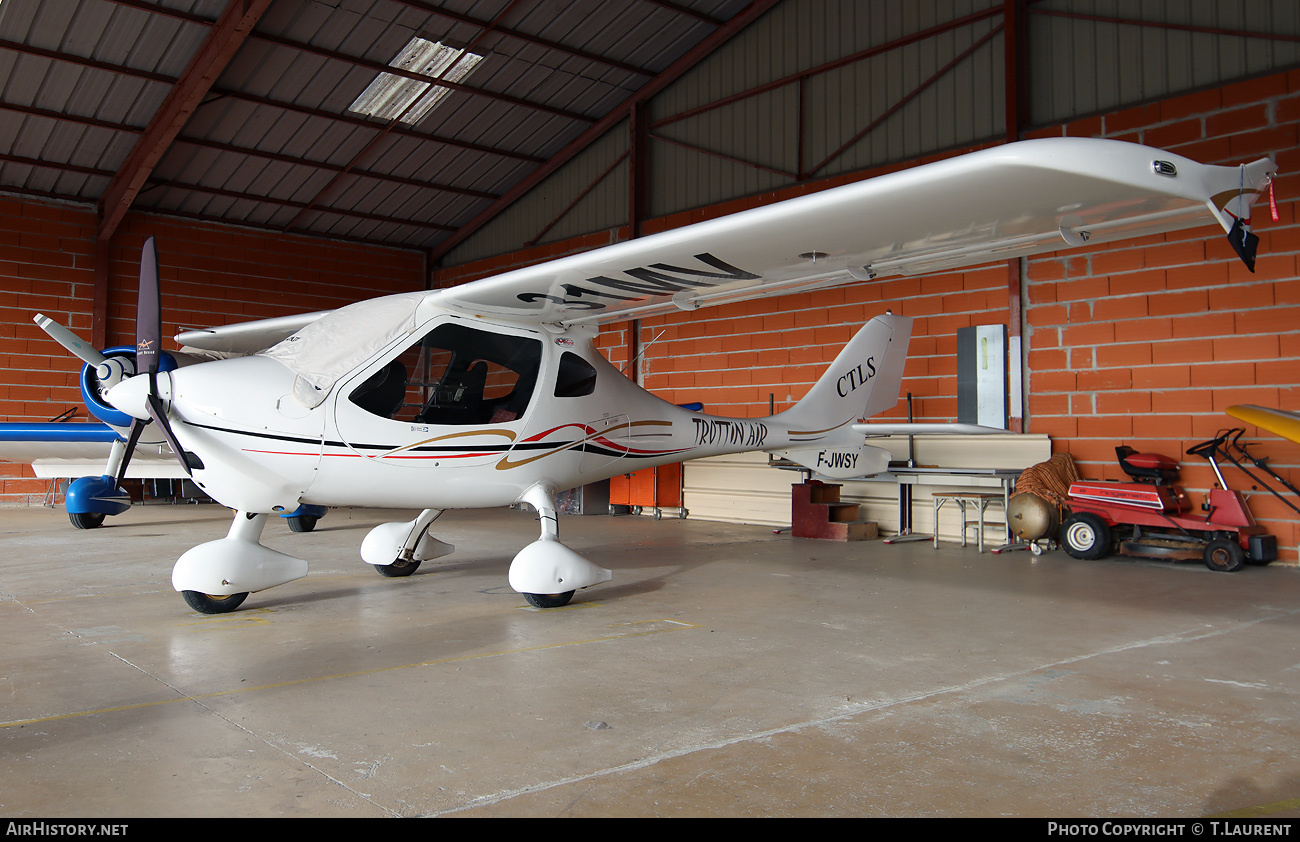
(300, 155)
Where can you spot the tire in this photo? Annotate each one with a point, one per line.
(548, 600)
(302, 523)
(1224, 555)
(87, 520)
(211, 604)
(399, 568)
(1086, 536)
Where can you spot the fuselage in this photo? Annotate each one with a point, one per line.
(453, 412)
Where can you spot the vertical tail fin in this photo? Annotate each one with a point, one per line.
(864, 379)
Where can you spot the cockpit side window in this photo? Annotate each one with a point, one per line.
(455, 375)
(577, 377)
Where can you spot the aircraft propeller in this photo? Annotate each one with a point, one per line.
(89, 499)
(148, 354)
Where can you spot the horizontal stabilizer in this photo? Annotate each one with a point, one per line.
(906, 429)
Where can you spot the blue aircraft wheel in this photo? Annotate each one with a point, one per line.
(548, 600)
(86, 520)
(397, 569)
(213, 604)
(302, 523)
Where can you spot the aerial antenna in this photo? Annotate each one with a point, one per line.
(640, 353)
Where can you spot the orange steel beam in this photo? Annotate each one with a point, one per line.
(225, 39)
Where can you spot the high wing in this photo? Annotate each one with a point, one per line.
(246, 337)
(996, 204)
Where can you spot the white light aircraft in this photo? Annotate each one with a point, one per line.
(492, 393)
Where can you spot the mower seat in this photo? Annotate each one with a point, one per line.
(1147, 467)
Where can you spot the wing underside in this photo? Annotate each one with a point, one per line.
(77, 450)
(246, 337)
(996, 204)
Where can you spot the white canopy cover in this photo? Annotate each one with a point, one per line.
(343, 339)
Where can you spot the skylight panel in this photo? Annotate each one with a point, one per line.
(399, 97)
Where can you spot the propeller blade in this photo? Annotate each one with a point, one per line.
(132, 439)
(148, 349)
(189, 461)
(148, 314)
(69, 340)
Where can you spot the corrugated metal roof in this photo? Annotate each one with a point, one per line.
(816, 88)
(273, 143)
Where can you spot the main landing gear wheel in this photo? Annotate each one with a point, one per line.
(1224, 555)
(212, 603)
(549, 600)
(86, 520)
(1086, 536)
(302, 523)
(399, 568)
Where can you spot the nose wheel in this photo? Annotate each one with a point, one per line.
(548, 600)
(205, 603)
(399, 568)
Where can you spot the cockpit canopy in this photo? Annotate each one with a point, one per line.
(338, 342)
(455, 375)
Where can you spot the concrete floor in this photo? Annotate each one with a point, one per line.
(726, 671)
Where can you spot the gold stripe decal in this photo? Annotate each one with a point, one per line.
(507, 434)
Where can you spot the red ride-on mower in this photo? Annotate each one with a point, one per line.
(1150, 517)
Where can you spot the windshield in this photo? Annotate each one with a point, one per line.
(455, 375)
(338, 342)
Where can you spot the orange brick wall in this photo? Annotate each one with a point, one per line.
(740, 359)
(1146, 343)
(210, 274)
